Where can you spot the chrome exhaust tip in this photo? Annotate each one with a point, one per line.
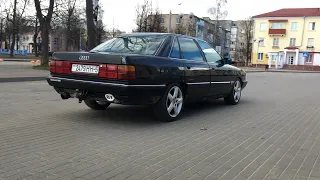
(109, 97)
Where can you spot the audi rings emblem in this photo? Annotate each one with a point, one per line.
(84, 58)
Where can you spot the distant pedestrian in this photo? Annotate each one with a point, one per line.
(266, 67)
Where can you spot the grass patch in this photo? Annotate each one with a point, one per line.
(39, 67)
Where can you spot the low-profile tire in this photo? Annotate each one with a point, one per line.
(95, 105)
(235, 95)
(169, 107)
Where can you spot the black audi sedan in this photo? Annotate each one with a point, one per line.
(161, 70)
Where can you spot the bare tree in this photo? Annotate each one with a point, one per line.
(16, 21)
(180, 28)
(218, 13)
(155, 22)
(44, 20)
(91, 29)
(243, 51)
(101, 29)
(69, 18)
(142, 13)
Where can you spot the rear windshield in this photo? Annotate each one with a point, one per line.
(145, 45)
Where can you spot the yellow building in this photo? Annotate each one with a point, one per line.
(287, 38)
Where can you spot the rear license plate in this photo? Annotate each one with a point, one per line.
(81, 68)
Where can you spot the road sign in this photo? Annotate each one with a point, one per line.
(305, 54)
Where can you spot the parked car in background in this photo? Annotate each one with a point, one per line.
(161, 70)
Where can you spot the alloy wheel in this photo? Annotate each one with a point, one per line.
(237, 91)
(174, 101)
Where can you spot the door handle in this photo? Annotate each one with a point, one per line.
(213, 68)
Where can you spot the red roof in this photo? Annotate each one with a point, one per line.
(291, 12)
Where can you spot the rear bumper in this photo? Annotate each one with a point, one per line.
(123, 93)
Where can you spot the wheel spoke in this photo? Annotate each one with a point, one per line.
(170, 107)
(170, 97)
(179, 100)
(236, 86)
(176, 112)
(176, 91)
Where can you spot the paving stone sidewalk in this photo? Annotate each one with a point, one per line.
(272, 134)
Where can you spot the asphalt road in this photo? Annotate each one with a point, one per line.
(272, 134)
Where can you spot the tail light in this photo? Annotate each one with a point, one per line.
(126, 72)
(60, 67)
(109, 71)
(112, 71)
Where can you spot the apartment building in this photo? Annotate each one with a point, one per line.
(287, 38)
(202, 28)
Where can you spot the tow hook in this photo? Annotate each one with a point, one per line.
(81, 95)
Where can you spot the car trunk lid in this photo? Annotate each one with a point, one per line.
(93, 65)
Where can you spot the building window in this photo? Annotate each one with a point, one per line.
(312, 26)
(261, 42)
(233, 30)
(274, 57)
(309, 58)
(242, 44)
(292, 42)
(233, 36)
(260, 56)
(294, 26)
(178, 20)
(263, 26)
(310, 42)
(275, 41)
(277, 26)
(232, 42)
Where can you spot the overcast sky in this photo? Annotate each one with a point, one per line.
(123, 11)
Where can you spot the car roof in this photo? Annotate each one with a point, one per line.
(154, 33)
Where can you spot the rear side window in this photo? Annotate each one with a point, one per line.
(189, 49)
(175, 52)
(211, 55)
(140, 44)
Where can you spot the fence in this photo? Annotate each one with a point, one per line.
(16, 52)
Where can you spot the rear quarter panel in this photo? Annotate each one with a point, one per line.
(156, 70)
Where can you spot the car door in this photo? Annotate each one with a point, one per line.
(220, 77)
(196, 70)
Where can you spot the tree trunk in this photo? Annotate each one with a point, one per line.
(35, 46)
(1, 33)
(14, 24)
(44, 44)
(90, 25)
(17, 42)
(68, 33)
(12, 43)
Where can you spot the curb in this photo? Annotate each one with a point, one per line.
(22, 79)
(14, 60)
(32, 61)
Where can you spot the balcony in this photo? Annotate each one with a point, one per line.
(277, 32)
